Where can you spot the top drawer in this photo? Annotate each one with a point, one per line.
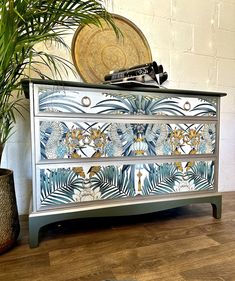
(51, 99)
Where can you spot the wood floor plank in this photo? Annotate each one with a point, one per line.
(223, 270)
(23, 267)
(183, 244)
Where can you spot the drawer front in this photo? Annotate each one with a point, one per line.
(55, 100)
(86, 183)
(67, 139)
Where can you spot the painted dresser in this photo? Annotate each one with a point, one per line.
(105, 150)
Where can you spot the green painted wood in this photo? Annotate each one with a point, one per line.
(38, 220)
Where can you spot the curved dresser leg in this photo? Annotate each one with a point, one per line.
(217, 207)
(34, 228)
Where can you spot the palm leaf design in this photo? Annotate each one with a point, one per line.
(57, 186)
(56, 100)
(204, 109)
(26, 23)
(140, 105)
(162, 179)
(202, 174)
(113, 183)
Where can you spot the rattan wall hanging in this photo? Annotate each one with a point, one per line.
(97, 51)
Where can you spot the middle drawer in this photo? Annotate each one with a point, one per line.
(61, 139)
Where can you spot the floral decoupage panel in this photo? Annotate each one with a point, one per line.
(56, 99)
(90, 183)
(60, 140)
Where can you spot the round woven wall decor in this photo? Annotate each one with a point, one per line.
(96, 51)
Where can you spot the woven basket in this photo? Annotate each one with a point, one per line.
(9, 220)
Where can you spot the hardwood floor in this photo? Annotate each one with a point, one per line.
(180, 244)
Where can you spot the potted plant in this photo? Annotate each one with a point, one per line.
(23, 24)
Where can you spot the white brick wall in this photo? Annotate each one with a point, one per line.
(182, 38)
(198, 12)
(226, 15)
(225, 49)
(195, 42)
(192, 68)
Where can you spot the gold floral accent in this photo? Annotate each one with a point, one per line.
(193, 151)
(75, 155)
(73, 134)
(193, 134)
(96, 134)
(176, 138)
(178, 164)
(93, 170)
(139, 175)
(97, 154)
(190, 164)
(139, 139)
(79, 134)
(79, 171)
(177, 134)
(194, 139)
(98, 137)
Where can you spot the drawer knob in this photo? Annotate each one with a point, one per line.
(86, 101)
(187, 106)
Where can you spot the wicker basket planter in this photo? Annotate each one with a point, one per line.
(9, 220)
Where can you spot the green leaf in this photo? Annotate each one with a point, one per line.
(57, 186)
(161, 179)
(113, 183)
(202, 174)
(25, 23)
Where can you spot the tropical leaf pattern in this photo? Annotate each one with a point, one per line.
(87, 139)
(140, 105)
(63, 186)
(114, 183)
(115, 102)
(202, 175)
(58, 100)
(57, 186)
(204, 109)
(161, 179)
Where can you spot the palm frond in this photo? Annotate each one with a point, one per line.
(161, 180)
(113, 183)
(51, 98)
(202, 175)
(141, 104)
(204, 109)
(25, 23)
(57, 186)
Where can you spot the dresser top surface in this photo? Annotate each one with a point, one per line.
(128, 87)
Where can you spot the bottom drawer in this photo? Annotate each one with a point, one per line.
(63, 186)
